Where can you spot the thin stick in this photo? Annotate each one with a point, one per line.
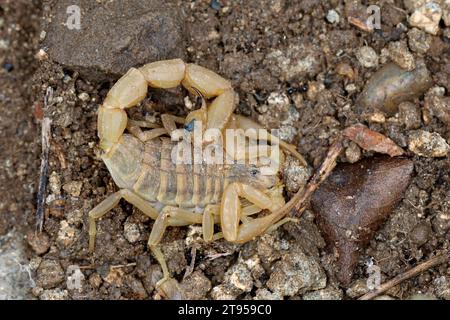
(407, 275)
(119, 266)
(191, 266)
(43, 175)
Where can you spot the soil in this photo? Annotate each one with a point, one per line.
(258, 46)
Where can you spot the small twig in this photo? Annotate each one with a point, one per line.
(218, 255)
(43, 175)
(407, 275)
(191, 266)
(132, 264)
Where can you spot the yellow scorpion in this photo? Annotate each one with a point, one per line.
(180, 194)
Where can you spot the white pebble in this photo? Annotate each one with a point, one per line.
(427, 17)
(428, 144)
(367, 57)
(333, 16)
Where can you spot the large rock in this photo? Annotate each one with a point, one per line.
(113, 35)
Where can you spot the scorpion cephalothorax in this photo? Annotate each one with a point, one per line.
(175, 193)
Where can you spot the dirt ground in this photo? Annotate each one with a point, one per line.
(285, 60)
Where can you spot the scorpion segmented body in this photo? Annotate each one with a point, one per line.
(173, 193)
(147, 169)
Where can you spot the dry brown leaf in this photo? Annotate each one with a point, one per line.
(372, 141)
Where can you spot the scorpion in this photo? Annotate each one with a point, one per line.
(235, 195)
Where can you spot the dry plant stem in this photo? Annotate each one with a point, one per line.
(407, 275)
(299, 201)
(191, 266)
(43, 175)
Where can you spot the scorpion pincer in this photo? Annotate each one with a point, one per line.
(180, 194)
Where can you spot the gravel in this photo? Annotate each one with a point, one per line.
(428, 144)
(49, 274)
(427, 17)
(367, 57)
(296, 273)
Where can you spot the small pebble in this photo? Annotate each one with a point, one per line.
(420, 234)
(353, 152)
(73, 188)
(196, 286)
(39, 242)
(49, 274)
(377, 117)
(41, 55)
(441, 223)
(345, 70)
(439, 106)
(115, 276)
(66, 234)
(295, 174)
(428, 144)
(332, 16)
(8, 66)
(4, 44)
(314, 89)
(137, 289)
(391, 85)
(55, 294)
(442, 287)
(296, 273)
(35, 262)
(350, 88)
(427, 17)
(399, 53)
(367, 57)
(95, 280)
(131, 231)
(55, 183)
(240, 277)
(215, 5)
(84, 96)
(409, 115)
(419, 41)
(224, 292)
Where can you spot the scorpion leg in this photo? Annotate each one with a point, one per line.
(146, 135)
(110, 202)
(211, 211)
(241, 122)
(169, 216)
(170, 122)
(231, 212)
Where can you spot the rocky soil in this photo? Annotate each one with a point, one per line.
(306, 68)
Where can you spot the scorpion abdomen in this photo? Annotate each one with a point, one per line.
(184, 185)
